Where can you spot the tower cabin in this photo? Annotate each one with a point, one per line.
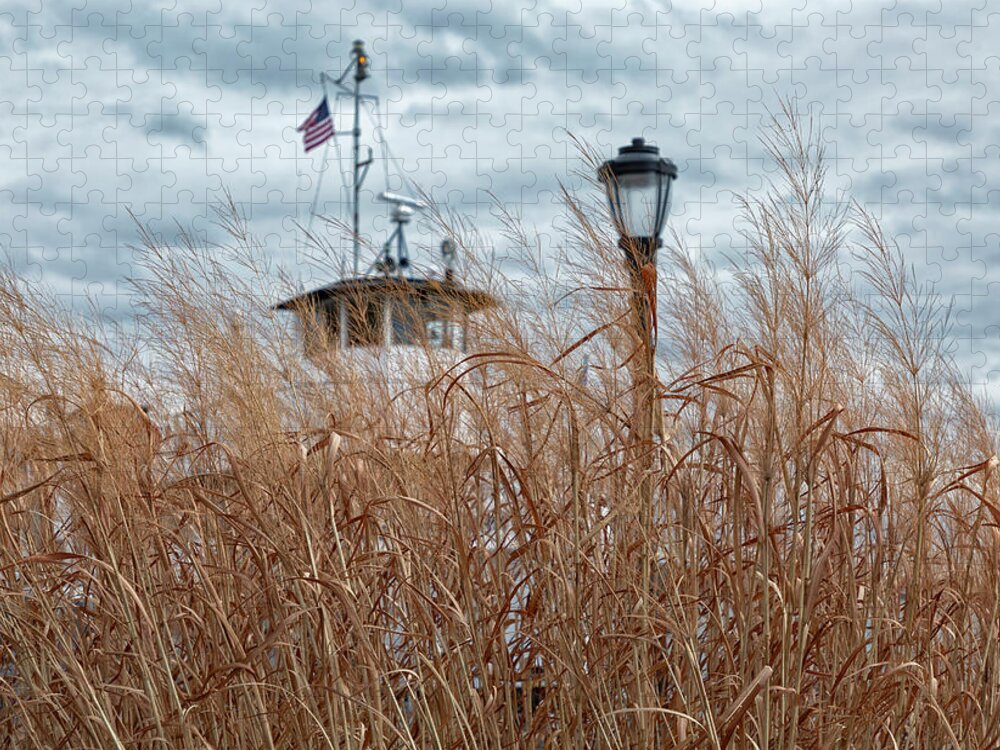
(388, 310)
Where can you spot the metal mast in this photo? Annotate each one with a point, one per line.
(360, 74)
(359, 64)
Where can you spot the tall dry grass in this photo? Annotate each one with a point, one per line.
(210, 542)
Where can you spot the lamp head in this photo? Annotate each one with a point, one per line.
(638, 183)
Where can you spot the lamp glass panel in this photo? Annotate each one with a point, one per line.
(638, 210)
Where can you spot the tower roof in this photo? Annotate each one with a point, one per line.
(447, 292)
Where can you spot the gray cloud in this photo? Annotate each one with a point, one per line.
(160, 110)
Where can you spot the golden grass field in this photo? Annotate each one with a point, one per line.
(208, 542)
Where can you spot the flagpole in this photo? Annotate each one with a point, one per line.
(319, 184)
(326, 156)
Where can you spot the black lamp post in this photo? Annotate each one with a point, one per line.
(638, 183)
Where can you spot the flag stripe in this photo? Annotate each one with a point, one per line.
(318, 136)
(318, 127)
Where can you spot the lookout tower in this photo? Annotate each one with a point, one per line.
(388, 305)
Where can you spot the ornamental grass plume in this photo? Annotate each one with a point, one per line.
(208, 541)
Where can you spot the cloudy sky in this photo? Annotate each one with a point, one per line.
(159, 108)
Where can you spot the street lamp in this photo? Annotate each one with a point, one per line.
(638, 183)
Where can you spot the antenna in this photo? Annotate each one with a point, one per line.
(402, 200)
(403, 210)
(449, 255)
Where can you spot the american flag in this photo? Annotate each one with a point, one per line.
(318, 127)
